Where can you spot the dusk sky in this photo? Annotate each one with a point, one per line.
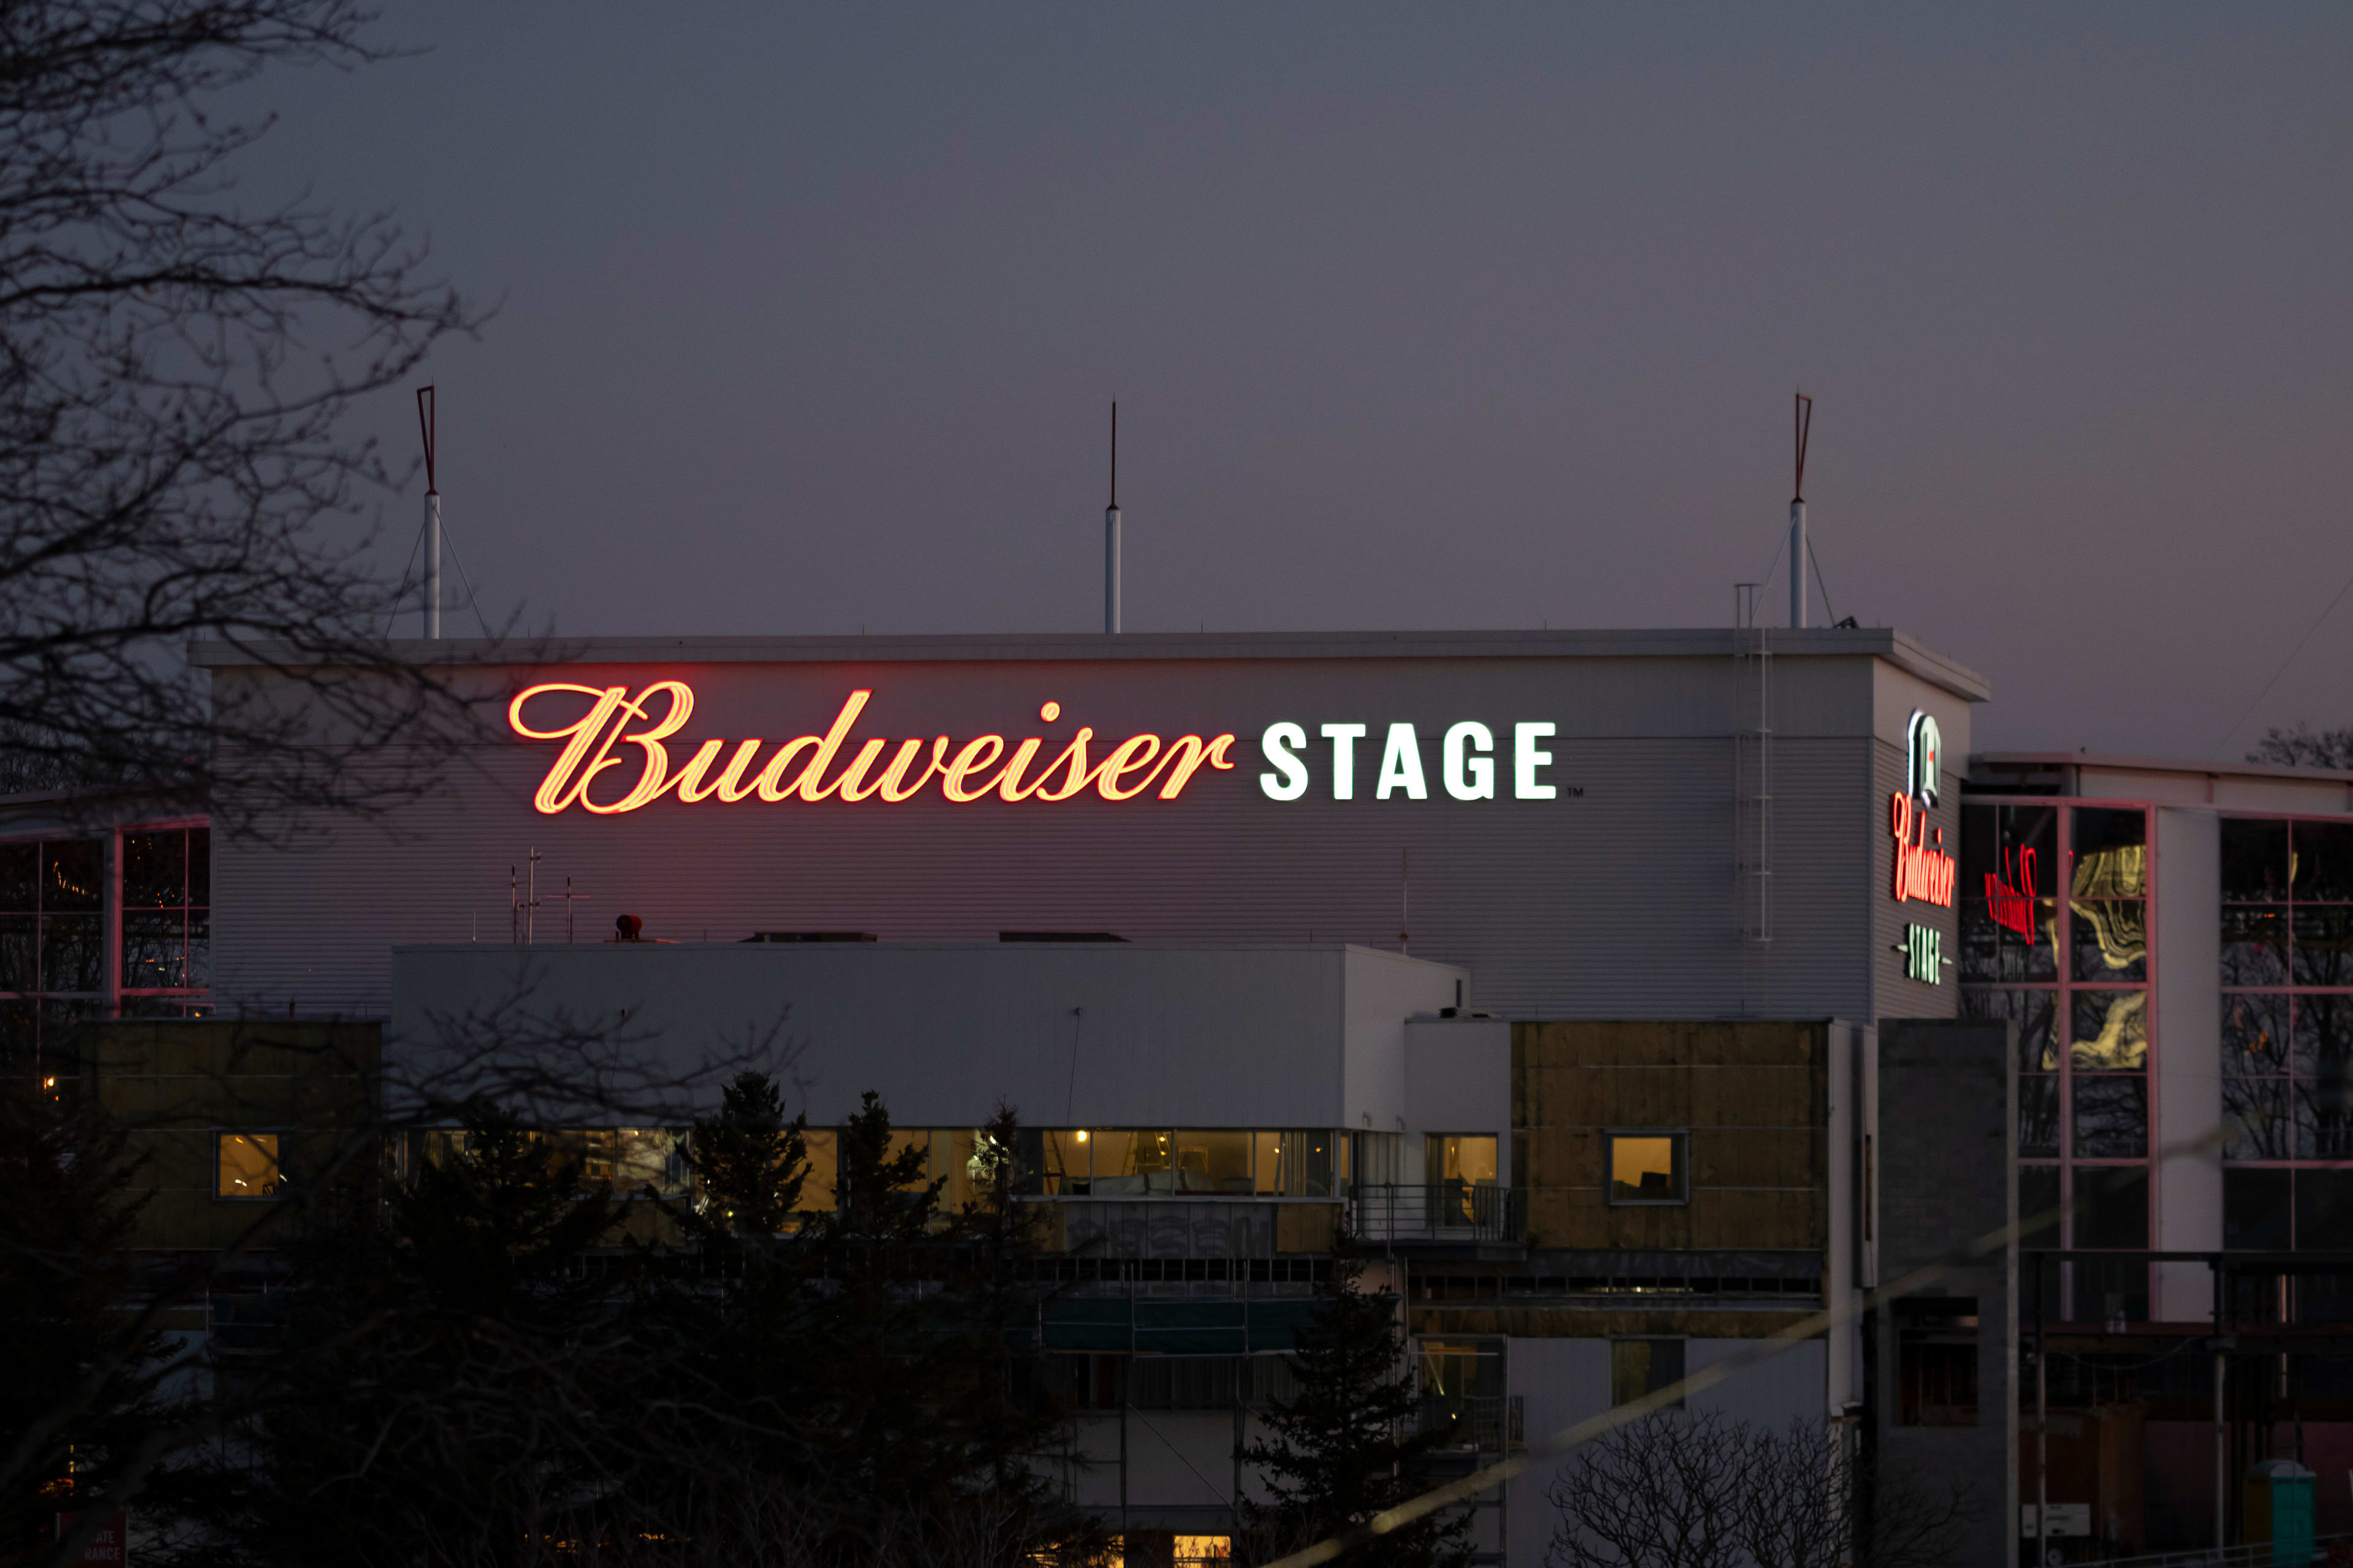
(1430, 317)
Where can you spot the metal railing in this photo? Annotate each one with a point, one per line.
(2250, 1554)
(1491, 1425)
(1438, 1211)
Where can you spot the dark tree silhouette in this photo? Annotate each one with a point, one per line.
(175, 370)
(1692, 1490)
(454, 1379)
(78, 1402)
(1344, 1447)
(2302, 746)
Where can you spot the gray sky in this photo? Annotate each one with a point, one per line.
(1459, 316)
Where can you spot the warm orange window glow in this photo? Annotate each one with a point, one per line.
(797, 770)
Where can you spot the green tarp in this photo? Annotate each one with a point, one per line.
(1163, 1326)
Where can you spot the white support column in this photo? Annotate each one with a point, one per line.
(2186, 1101)
(432, 563)
(1798, 562)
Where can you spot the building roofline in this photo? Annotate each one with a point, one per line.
(2114, 762)
(1126, 947)
(1686, 642)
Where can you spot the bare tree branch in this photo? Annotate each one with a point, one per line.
(175, 370)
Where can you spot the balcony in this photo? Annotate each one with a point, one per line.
(1472, 1423)
(1442, 1214)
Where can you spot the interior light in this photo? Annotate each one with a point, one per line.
(1082, 1134)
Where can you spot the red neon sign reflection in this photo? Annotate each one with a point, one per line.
(2009, 905)
(639, 729)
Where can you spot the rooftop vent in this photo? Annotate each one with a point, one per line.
(812, 936)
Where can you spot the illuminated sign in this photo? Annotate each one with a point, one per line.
(605, 730)
(1924, 758)
(795, 770)
(1922, 870)
(1923, 955)
(1466, 768)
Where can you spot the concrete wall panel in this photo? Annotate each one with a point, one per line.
(1108, 1035)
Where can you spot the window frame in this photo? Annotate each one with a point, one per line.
(2063, 989)
(48, 1014)
(277, 1135)
(1680, 1171)
(1683, 1344)
(1338, 1160)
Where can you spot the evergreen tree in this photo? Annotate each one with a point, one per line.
(457, 1383)
(1344, 1447)
(916, 1402)
(752, 1164)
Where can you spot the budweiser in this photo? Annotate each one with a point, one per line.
(1921, 871)
(795, 770)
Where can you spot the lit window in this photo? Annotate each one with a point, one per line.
(1638, 1367)
(627, 1160)
(248, 1165)
(1456, 1158)
(1456, 1166)
(1203, 1549)
(1646, 1168)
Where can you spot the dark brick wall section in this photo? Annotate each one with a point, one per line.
(1947, 1167)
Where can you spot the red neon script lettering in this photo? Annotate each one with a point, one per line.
(1922, 870)
(794, 771)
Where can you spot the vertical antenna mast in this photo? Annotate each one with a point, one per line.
(1110, 533)
(1802, 416)
(424, 423)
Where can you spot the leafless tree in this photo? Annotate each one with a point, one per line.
(1661, 1492)
(1693, 1490)
(175, 367)
(2302, 746)
(1810, 1500)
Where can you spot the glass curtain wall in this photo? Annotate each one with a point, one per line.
(2054, 921)
(93, 925)
(1142, 1163)
(2287, 1041)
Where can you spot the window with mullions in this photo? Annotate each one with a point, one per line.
(2288, 1031)
(167, 920)
(63, 908)
(2054, 921)
(1143, 1162)
(52, 940)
